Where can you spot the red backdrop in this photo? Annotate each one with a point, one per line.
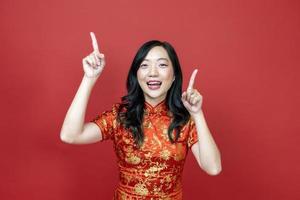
(247, 53)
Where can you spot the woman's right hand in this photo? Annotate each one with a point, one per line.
(94, 63)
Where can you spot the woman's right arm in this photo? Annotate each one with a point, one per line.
(74, 130)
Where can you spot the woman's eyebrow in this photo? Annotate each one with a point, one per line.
(163, 59)
(157, 59)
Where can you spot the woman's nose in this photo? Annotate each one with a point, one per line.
(153, 71)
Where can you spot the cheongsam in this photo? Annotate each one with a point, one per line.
(154, 171)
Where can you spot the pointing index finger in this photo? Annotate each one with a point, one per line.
(192, 79)
(94, 42)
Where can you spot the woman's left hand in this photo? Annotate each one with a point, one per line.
(191, 98)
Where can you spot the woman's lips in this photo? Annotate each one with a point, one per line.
(154, 85)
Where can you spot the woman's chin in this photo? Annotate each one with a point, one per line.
(155, 97)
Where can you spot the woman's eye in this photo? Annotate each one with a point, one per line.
(143, 65)
(163, 65)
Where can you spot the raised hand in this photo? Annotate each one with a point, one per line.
(94, 63)
(191, 98)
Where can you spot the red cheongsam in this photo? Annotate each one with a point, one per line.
(154, 171)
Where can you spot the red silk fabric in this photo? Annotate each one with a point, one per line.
(155, 170)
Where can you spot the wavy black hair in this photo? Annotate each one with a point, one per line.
(131, 110)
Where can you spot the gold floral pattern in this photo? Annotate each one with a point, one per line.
(165, 154)
(155, 170)
(133, 159)
(141, 189)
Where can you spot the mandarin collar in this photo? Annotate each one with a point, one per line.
(160, 109)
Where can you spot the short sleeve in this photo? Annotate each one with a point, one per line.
(193, 136)
(107, 122)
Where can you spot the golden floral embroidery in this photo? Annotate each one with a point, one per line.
(141, 189)
(165, 154)
(133, 159)
(154, 171)
(104, 122)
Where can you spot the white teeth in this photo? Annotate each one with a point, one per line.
(154, 83)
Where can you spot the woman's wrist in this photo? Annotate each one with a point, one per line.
(90, 80)
(199, 114)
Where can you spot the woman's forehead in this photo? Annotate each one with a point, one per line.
(157, 53)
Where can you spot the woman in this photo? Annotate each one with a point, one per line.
(151, 129)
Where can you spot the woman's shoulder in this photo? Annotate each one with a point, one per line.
(115, 107)
(118, 107)
(189, 122)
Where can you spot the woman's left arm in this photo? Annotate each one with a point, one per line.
(205, 150)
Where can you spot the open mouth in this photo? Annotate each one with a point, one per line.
(153, 85)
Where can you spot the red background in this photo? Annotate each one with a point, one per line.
(247, 53)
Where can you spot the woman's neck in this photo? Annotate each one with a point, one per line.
(154, 103)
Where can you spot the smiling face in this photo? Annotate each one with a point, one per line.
(156, 75)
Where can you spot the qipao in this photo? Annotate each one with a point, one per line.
(154, 171)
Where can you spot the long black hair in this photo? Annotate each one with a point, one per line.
(131, 110)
